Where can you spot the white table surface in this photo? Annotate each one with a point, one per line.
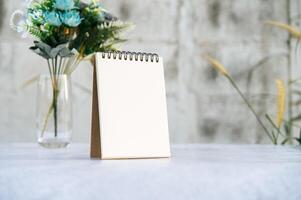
(28, 171)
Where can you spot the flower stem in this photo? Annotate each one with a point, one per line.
(55, 111)
(55, 94)
(249, 106)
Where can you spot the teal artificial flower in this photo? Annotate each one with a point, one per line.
(64, 4)
(71, 18)
(36, 16)
(53, 18)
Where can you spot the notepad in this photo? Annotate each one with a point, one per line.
(132, 106)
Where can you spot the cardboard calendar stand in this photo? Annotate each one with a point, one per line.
(95, 149)
(129, 117)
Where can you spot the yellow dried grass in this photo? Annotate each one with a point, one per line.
(217, 65)
(294, 31)
(280, 102)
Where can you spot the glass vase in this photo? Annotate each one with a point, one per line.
(54, 111)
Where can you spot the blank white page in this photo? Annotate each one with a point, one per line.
(132, 107)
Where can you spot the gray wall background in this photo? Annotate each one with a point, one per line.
(202, 106)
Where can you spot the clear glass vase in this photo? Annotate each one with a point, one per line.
(54, 111)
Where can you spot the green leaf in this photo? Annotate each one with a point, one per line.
(271, 121)
(55, 51)
(285, 141)
(296, 118)
(297, 103)
(47, 52)
(39, 52)
(65, 52)
(43, 46)
(297, 140)
(287, 127)
(297, 92)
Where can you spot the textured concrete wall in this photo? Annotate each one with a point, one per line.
(202, 106)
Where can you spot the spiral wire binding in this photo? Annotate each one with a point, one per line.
(126, 55)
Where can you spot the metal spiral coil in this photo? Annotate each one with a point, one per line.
(132, 56)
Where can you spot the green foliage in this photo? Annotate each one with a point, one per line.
(278, 133)
(47, 52)
(35, 32)
(98, 30)
(44, 5)
(97, 38)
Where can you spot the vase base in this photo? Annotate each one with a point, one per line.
(54, 145)
(49, 141)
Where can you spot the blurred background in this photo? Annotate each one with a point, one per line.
(202, 105)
